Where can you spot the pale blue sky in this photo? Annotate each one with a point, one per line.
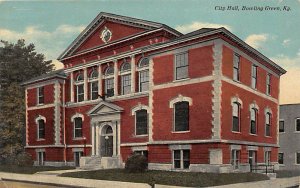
(53, 25)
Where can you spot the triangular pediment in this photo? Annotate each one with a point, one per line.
(105, 108)
(112, 28)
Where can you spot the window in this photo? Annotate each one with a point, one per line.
(236, 117)
(280, 158)
(141, 152)
(298, 124)
(41, 129)
(252, 157)
(125, 78)
(254, 76)
(109, 87)
(181, 116)
(94, 84)
(109, 81)
(281, 126)
(77, 127)
(141, 120)
(144, 80)
(143, 69)
(268, 124)
(236, 67)
(181, 64)
(297, 158)
(253, 121)
(267, 157)
(235, 158)
(181, 159)
(41, 157)
(79, 88)
(268, 81)
(41, 95)
(126, 84)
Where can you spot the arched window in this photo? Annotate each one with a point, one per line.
(109, 70)
(109, 81)
(268, 124)
(109, 130)
(236, 117)
(77, 127)
(253, 121)
(181, 113)
(125, 78)
(93, 84)
(141, 122)
(79, 88)
(143, 69)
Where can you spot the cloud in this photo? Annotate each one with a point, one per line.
(198, 25)
(289, 82)
(49, 43)
(286, 42)
(256, 40)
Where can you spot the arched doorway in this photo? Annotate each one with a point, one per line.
(107, 141)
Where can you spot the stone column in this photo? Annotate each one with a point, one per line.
(116, 78)
(97, 140)
(85, 86)
(132, 74)
(72, 87)
(93, 138)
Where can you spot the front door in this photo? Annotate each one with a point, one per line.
(252, 158)
(107, 142)
(77, 156)
(41, 158)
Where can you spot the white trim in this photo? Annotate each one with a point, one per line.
(26, 116)
(133, 75)
(85, 84)
(139, 148)
(249, 89)
(77, 150)
(235, 147)
(57, 146)
(236, 99)
(41, 107)
(116, 78)
(134, 144)
(180, 98)
(99, 80)
(180, 147)
(151, 100)
(252, 148)
(38, 95)
(182, 82)
(57, 113)
(38, 127)
(139, 107)
(267, 149)
(77, 115)
(255, 106)
(185, 53)
(217, 89)
(40, 117)
(72, 87)
(44, 83)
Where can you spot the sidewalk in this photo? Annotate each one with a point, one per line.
(68, 182)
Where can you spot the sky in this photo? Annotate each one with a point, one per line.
(53, 25)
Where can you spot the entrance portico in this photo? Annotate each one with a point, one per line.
(105, 126)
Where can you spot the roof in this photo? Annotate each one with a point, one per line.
(54, 74)
(108, 16)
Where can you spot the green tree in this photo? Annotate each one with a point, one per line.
(18, 62)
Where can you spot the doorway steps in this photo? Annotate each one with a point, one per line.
(90, 163)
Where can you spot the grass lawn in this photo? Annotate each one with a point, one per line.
(287, 173)
(189, 179)
(29, 169)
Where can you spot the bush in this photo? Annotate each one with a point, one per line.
(21, 159)
(136, 163)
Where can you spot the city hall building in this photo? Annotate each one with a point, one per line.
(203, 101)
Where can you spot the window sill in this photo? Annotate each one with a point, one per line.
(79, 138)
(236, 132)
(297, 132)
(252, 134)
(141, 136)
(181, 80)
(282, 165)
(281, 132)
(41, 139)
(237, 81)
(41, 104)
(180, 131)
(268, 136)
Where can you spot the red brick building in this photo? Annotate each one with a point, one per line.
(203, 101)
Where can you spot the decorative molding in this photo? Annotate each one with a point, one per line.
(116, 78)
(217, 89)
(77, 115)
(249, 89)
(254, 105)
(26, 116)
(253, 148)
(180, 98)
(268, 110)
(180, 147)
(139, 148)
(139, 107)
(236, 99)
(41, 107)
(85, 85)
(99, 80)
(133, 74)
(71, 87)
(151, 100)
(40, 117)
(183, 82)
(235, 147)
(57, 113)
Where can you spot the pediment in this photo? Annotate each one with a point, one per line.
(105, 108)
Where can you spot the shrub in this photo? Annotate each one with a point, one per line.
(136, 163)
(24, 159)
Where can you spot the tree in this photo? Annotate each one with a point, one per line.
(18, 62)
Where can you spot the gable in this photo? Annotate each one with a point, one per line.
(118, 31)
(105, 108)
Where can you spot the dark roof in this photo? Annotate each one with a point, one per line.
(53, 74)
